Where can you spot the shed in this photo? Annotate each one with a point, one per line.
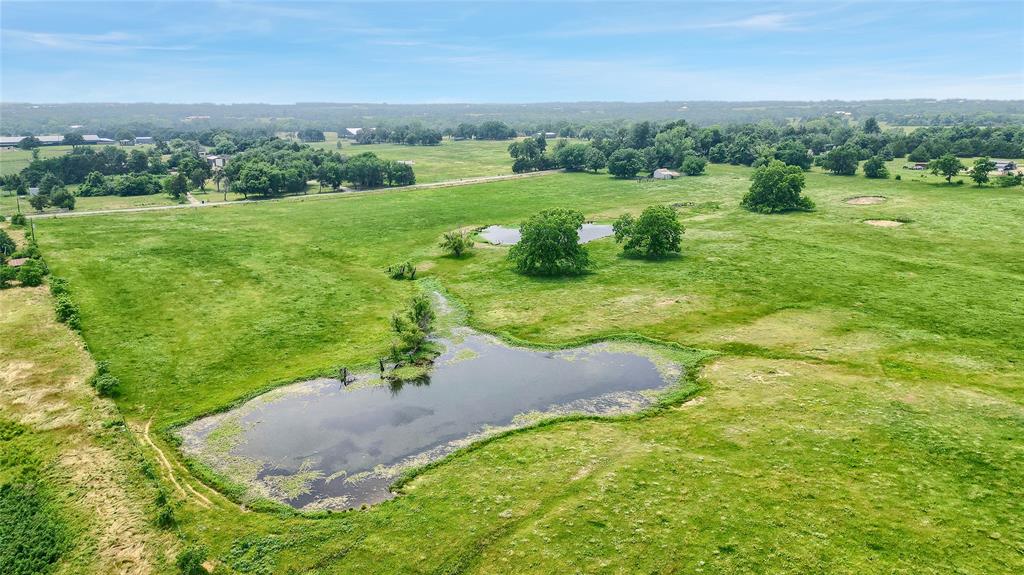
(17, 262)
(664, 174)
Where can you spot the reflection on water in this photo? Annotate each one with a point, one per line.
(501, 235)
(321, 444)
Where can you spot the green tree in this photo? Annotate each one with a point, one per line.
(176, 186)
(549, 244)
(776, 187)
(980, 170)
(29, 143)
(456, 243)
(94, 185)
(256, 178)
(74, 140)
(871, 126)
(947, 166)
(794, 153)
(625, 163)
(138, 161)
(595, 159)
(572, 157)
(63, 199)
(365, 170)
(49, 183)
(874, 167)
(655, 234)
(39, 201)
(694, 165)
(331, 173)
(841, 161)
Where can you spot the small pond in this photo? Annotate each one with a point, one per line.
(320, 444)
(500, 235)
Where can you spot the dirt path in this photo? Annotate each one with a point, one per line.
(166, 464)
(192, 201)
(195, 204)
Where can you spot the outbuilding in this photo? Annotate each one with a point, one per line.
(664, 174)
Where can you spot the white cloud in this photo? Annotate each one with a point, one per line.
(76, 42)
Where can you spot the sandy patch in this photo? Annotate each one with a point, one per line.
(883, 223)
(865, 200)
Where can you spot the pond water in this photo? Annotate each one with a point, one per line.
(319, 444)
(501, 235)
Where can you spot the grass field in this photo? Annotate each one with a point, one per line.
(863, 414)
(450, 160)
(71, 486)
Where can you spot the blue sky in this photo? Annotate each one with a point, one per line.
(284, 52)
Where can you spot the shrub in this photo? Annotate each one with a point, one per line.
(67, 311)
(1009, 180)
(656, 233)
(105, 384)
(165, 515)
(31, 273)
(404, 270)
(7, 275)
(776, 188)
(190, 560)
(549, 244)
(59, 286)
(7, 245)
(33, 536)
(19, 220)
(456, 243)
(898, 177)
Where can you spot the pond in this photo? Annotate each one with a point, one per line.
(320, 444)
(501, 235)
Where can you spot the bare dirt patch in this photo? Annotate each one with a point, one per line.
(865, 200)
(884, 223)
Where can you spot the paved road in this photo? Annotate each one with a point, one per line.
(325, 195)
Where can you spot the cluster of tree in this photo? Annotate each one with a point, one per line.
(411, 328)
(52, 193)
(72, 168)
(275, 167)
(28, 274)
(411, 134)
(456, 243)
(310, 135)
(838, 144)
(670, 150)
(490, 130)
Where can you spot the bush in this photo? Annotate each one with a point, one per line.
(33, 536)
(456, 243)
(19, 220)
(776, 188)
(190, 560)
(67, 311)
(898, 177)
(105, 384)
(656, 233)
(549, 244)
(401, 271)
(165, 515)
(1009, 180)
(31, 273)
(59, 286)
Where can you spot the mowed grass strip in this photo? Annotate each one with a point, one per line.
(861, 419)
